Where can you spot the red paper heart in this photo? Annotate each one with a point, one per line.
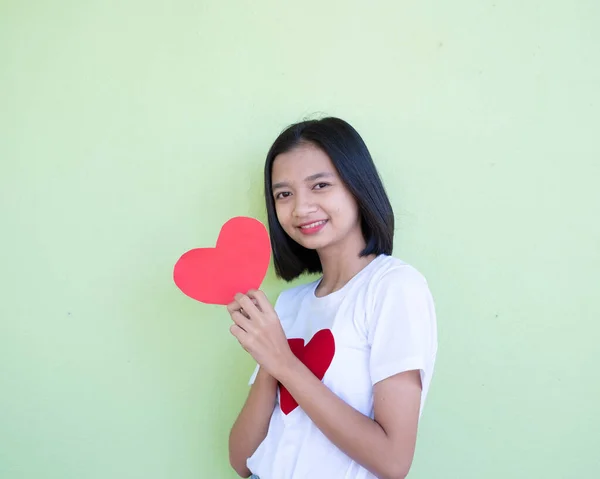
(237, 264)
(316, 356)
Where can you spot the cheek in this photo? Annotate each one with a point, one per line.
(345, 208)
(282, 214)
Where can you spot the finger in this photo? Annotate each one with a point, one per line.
(247, 304)
(241, 321)
(241, 336)
(237, 332)
(251, 295)
(261, 299)
(235, 306)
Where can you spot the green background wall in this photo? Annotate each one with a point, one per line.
(130, 131)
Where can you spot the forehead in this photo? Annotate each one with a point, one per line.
(300, 162)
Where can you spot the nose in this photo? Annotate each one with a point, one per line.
(304, 206)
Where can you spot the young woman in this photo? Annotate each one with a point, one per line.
(344, 362)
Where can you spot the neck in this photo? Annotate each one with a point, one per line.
(340, 264)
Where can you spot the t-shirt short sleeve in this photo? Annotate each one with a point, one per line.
(402, 329)
(254, 374)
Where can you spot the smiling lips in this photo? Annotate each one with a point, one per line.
(312, 228)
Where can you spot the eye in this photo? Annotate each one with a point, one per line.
(282, 195)
(320, 186)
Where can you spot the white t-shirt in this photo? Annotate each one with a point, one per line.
(382, 322)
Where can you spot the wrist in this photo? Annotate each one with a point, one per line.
(286, 367)
(263, 377)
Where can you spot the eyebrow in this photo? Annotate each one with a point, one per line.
(316, 176)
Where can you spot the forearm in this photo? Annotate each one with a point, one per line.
(357, 435)
(252, 424)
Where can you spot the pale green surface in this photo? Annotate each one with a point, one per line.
(130, 131)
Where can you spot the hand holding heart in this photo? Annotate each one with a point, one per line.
(258, 329)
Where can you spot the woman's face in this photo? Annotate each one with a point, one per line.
(313, 205)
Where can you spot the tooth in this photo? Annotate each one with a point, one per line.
(312, 225)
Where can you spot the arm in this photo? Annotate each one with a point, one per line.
(252, 424)
(385, 446)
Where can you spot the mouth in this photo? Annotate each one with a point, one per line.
(312, 228)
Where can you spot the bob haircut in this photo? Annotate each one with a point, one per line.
(353, 162)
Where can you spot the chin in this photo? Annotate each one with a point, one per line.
(313, 243)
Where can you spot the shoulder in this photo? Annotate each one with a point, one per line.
(397, 285)
(400, 302)
(393, 274)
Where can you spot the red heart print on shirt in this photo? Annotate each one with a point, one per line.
(316, 356)
(237, 264)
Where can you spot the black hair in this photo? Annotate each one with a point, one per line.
(353, 162)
